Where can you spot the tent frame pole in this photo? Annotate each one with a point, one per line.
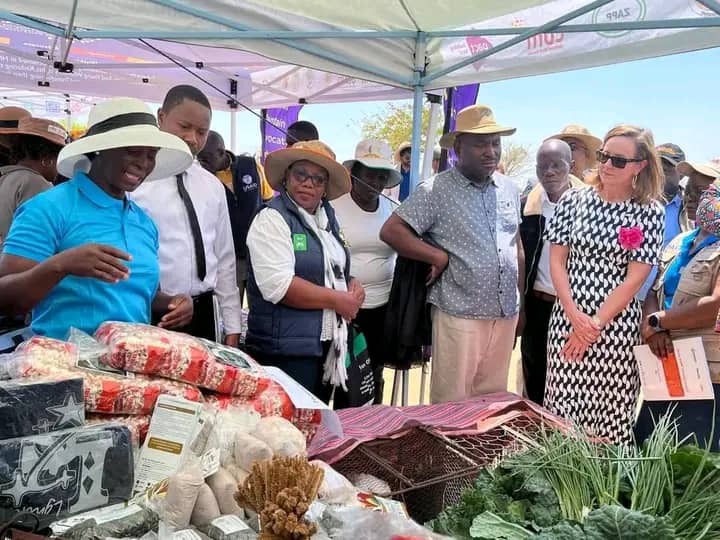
(431, 135)
(418, 94)
(711, 4)
(230, 34)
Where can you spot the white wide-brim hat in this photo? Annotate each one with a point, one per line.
(376, 154)
(120, 123)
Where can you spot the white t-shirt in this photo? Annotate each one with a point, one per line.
(543, 282)
(372, 261)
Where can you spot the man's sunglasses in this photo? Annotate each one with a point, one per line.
(617, 161)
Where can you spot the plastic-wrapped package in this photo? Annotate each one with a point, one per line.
(238, 473)
(281, 436)
(119, 521)
(274, 401)
(229, 527)
(249, 449)
(183, 489)
(29, 407)
(105, 392)
(230, 421)
(224, 486)
(335, 489)
(38, 356)
(206, 507)
(67, 471)
(365, 524)
(370, 484)
(155, 351)
(138, 424)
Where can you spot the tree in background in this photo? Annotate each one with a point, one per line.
(394, 125)
(516, 158)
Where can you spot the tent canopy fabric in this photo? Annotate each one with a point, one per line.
(280, 52)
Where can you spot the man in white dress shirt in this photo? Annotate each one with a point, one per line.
(197, 255)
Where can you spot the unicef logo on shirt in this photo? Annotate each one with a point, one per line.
(620, 11)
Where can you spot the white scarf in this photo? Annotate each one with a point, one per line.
(334, 372)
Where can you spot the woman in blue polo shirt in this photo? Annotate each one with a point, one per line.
(81, 253)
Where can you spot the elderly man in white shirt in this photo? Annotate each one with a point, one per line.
(197, 255)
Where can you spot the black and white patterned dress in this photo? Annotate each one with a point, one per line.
(600, 392)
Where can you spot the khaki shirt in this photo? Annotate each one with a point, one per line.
(17, 185)
(697, 279)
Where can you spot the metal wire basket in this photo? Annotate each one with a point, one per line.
(428, 470)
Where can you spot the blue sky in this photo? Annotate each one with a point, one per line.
(675, 96)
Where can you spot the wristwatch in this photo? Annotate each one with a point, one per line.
(654, 322)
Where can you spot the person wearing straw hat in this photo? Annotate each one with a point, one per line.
(469, 216)
(81, 253)
(9, 119)
(299, 287)
(197, 253)
(36, 146)
(583, 144)
(361, 214)
(700, 176)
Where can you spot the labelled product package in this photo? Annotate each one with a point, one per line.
(66, 472)
(29, 407)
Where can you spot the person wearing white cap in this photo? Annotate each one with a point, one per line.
(81, 253)
(361, 214)
(470, 214)
(197, 253)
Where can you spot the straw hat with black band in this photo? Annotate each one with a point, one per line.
(476, 120)
(122, 123)
(278, 162)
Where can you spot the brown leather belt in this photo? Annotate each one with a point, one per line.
(545, 297)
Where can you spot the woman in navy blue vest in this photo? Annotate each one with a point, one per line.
(300, 292)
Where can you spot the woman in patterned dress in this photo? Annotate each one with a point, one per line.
(605, 239)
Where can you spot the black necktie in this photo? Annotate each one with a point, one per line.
(194, 228)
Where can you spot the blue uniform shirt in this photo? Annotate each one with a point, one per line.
(72, 214)
(672, 229)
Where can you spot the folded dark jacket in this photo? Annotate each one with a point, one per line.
(408, 326)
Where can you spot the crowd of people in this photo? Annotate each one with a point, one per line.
(152, 220)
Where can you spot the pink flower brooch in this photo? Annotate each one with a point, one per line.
(631, 238)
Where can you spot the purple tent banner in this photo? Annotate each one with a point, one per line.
(274, 125)
(461, 97)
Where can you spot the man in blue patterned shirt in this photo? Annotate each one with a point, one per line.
(468, 219)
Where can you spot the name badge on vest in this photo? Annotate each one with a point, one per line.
(300, 242)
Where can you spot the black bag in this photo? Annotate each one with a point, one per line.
(360, 383)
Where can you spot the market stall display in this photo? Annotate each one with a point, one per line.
(564, 485)
(428, 455)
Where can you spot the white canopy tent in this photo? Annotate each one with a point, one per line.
(277, 52)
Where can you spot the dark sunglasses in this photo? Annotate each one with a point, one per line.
(617, 161)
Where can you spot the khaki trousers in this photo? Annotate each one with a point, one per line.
(471, 357)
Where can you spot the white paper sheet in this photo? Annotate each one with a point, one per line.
(695, 382)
